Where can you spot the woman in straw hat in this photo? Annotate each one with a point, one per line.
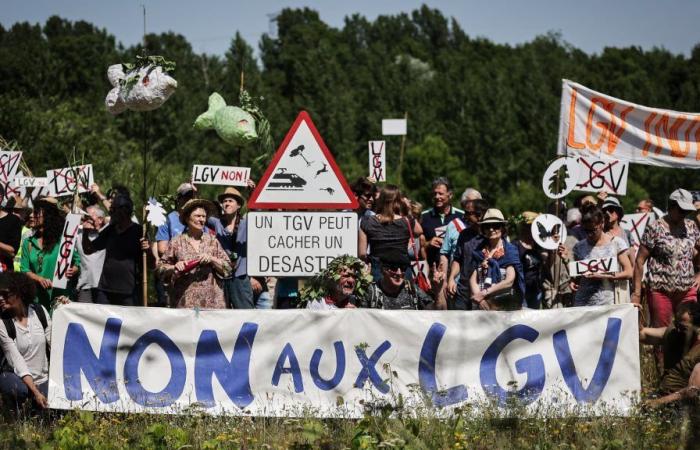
(195, 261)
(497, 281)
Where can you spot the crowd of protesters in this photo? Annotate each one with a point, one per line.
(474, 259)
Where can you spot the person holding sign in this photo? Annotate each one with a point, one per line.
(41, 251)
(25, 337)
(669, 247)
(195, 262)
(598, 288)
(497, 281)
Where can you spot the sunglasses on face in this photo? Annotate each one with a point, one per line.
(394, 269)
(494, 226)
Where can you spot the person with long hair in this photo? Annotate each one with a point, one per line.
(389, 231)
(40, 252)
(25, 338)
(598, 288)
(669, 248)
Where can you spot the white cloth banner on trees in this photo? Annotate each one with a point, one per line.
(343, 363)
(592, 123)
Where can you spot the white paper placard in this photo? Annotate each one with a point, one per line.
(377, 160)
(594, 265)
(63, 181)
(394, 127)
(568, 171)
(30, 182)
(602, 175)
(220, 175)
(65, 250)
(298, 244)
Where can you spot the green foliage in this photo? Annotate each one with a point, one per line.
(485, 115)
(323, 284)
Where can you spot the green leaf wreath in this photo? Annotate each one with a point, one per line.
(321, 285)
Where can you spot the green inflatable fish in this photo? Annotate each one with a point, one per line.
(231, 123)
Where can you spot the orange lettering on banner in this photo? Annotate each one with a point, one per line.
(697, 138)
(571, 140)
(661, 124)
(694, 121)
(616, 131)
(602, 125)
(676, 149)
(647, 125)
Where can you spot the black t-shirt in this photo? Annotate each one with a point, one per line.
(435, 225)
(467, 242)
(10, 234)
(387, 239)
(409, 297)
(122, 257)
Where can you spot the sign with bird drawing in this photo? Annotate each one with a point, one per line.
(303, 174)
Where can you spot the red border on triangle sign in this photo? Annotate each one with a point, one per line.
(302, 117)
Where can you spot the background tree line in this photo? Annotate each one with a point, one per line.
(484, 114)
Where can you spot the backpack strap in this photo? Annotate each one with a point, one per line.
(41, 314)
(10, 327)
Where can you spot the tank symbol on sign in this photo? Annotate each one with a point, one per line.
(287, 181)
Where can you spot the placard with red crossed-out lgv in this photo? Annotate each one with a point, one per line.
(303, 174)
(607, 175)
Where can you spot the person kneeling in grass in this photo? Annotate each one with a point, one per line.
(681, 343)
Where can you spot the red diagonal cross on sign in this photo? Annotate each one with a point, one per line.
(635, 226)
(596, 173)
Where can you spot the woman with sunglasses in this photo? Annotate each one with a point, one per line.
(497, 281)
(598, 288)
(25, 337)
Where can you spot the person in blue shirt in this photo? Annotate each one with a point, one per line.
(231, 231)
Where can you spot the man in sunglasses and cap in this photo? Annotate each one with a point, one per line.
(393, 290)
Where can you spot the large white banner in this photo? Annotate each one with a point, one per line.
(592, 123)
(343, 363)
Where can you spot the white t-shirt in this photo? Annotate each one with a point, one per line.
(27, 353)
(591, 291)
(90, 265)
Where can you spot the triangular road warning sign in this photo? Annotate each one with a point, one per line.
(303, 174)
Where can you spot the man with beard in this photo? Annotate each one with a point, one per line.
(435, 220)
(338, 285)
(393, 290)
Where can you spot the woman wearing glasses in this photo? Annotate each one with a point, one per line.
(598, 288)
(25, 337)
(497, 281)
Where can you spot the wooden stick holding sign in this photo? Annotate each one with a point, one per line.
(594, 265)
(65, 251)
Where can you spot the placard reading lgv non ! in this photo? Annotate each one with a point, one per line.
(298, 244)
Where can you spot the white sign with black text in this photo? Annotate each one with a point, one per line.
(607, 175)
(30, 181)
(65, 251)
(220, 175)
(377, 160)
(298, 244)
(65, 181)
(594, 265)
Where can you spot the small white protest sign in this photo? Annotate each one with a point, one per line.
(303, 174)
(567, 171)
(548, 231)
(30, 181)
(394, 127)
(65, 251)
(418, 267)
(607, 175)
(298, 244)
(636, 224)
(220, 175)
(9, 164)
(155, 213)
(377, 160)
(594, 265)
(64, 181)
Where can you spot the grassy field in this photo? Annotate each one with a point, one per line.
(667, 428)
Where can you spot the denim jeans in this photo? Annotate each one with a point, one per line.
(239, 293)
(13, 389)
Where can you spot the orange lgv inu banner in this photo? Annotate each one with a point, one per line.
(592, 123)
